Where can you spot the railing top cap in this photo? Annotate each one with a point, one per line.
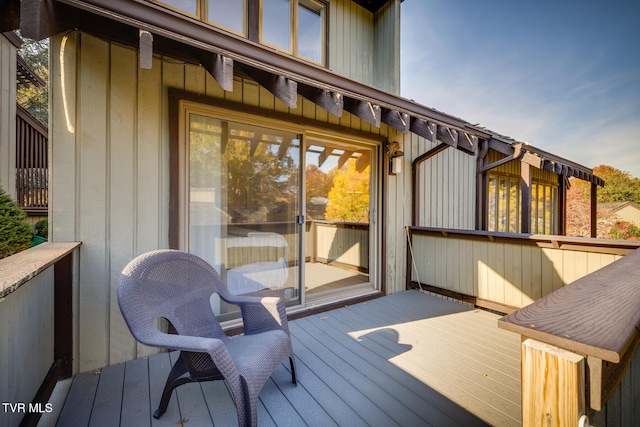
(18, 269)
(597, 315)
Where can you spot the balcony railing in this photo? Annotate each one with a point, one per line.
(580, 349)
(504, 271)
(32, 188)
(574, 301)
(36, 328)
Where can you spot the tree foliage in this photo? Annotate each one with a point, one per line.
(619, 186)
(15, 233)
(349, 196)
(36, 99)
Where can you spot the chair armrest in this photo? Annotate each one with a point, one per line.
(261, 313)
(214, 346)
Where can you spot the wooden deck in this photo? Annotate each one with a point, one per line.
(408, 359)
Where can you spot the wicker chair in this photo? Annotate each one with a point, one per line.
(178, 286)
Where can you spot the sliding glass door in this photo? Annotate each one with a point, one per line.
(244, 204)
(276, 209)
(338, 210)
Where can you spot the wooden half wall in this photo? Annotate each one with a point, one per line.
(505, 271)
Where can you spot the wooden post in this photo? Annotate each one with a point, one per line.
(553, 385)
(594, 210)
(525, 211)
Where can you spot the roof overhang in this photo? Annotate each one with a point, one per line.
(541, 159)
(221, 52)
(372, 5)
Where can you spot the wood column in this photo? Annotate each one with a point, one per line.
(594, 210)
(525, 174)
(553, 385)
(562, 206)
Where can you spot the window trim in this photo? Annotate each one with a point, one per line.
(252, 28)
(245, 19)
(555, 226)
(293, 29)
(233, 111)
(199, 7)
(182, 103)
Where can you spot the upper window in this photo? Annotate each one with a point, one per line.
(294, 26)
(229, 14)
(297, 27)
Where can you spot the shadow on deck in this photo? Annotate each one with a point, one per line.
(407, 359)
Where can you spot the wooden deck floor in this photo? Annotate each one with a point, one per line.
(408, 359)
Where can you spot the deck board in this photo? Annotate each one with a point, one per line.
(406, 359)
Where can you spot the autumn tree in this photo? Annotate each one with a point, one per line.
(619, 186)
(349, 196)
(35, 99)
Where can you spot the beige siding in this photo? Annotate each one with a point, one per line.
(513, 168)
(506, 273)
(386, 53)
(26, 323)
(622, 407)
(630, 214)
(342, 244)
(447, 188)
(110, 174)
(7, 115)
(365, 46)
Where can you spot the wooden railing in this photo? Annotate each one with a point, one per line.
(580, 348)
(36, 309)
(32, 188)
(345, 243)
(503, 271)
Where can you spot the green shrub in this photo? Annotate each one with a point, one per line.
(15, 233)
(42, 228)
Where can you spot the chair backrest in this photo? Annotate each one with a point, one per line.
(169, 284)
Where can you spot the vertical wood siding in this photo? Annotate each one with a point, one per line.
(513, 168)
(365, 46)
(110, 173)
(386, 53)
(510, 274)
(447, 188)
(26, 324)
(630, 214)
(7, 115)
(622, 408)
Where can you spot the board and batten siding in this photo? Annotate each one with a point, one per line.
(446, 188)
(630, 213)
(513, 168)
(365, 46)
(26, 324)
(8, 53)
(110, 174)
(506, 273)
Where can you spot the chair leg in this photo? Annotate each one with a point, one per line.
(292, 362)
(178, 376)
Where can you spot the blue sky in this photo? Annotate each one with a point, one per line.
(561, 75)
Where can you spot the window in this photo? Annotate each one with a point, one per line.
(229, 14)
(281, 20)
(544, 208)
(504, 205)
(297, 27)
